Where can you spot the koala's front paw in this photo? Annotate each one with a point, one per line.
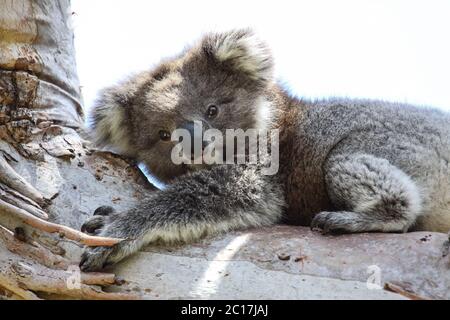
(107, 223)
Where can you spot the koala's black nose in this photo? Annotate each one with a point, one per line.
(196, 130)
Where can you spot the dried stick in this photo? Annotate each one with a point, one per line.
(26, 267)
(19, 195)
(41, 279)
(14, 287)
(32, 250)
(13, 198)
(397, 289)
(12, 179)
(98, 278)
(50, 227)
(24, 277)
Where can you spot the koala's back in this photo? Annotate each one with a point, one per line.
(416, 140)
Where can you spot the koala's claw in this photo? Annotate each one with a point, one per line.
(94, 259)
(93, 225)
(331, 222)
(104, 211)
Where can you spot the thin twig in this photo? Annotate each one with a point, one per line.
(97, 278)
(7, 196)
(12, 179)
(397, 289)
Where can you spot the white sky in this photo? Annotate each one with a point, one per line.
(391, 49)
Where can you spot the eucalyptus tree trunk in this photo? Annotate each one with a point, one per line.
(50, 178)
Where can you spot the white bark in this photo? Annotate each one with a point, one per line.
(46, 169)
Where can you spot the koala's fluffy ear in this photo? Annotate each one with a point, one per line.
(243, 51)
(107, 119)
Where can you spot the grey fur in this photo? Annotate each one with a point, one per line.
(345, 165)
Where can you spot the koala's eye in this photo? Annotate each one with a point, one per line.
(164, 135)
(212, 111)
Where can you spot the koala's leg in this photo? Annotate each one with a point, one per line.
(370, 194)
(204, 202)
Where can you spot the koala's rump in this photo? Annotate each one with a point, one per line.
(416, 140)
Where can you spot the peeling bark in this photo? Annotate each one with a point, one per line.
(47, 170)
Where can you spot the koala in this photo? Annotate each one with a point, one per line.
(345, 165)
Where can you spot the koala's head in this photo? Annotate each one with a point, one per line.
(220, 81)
